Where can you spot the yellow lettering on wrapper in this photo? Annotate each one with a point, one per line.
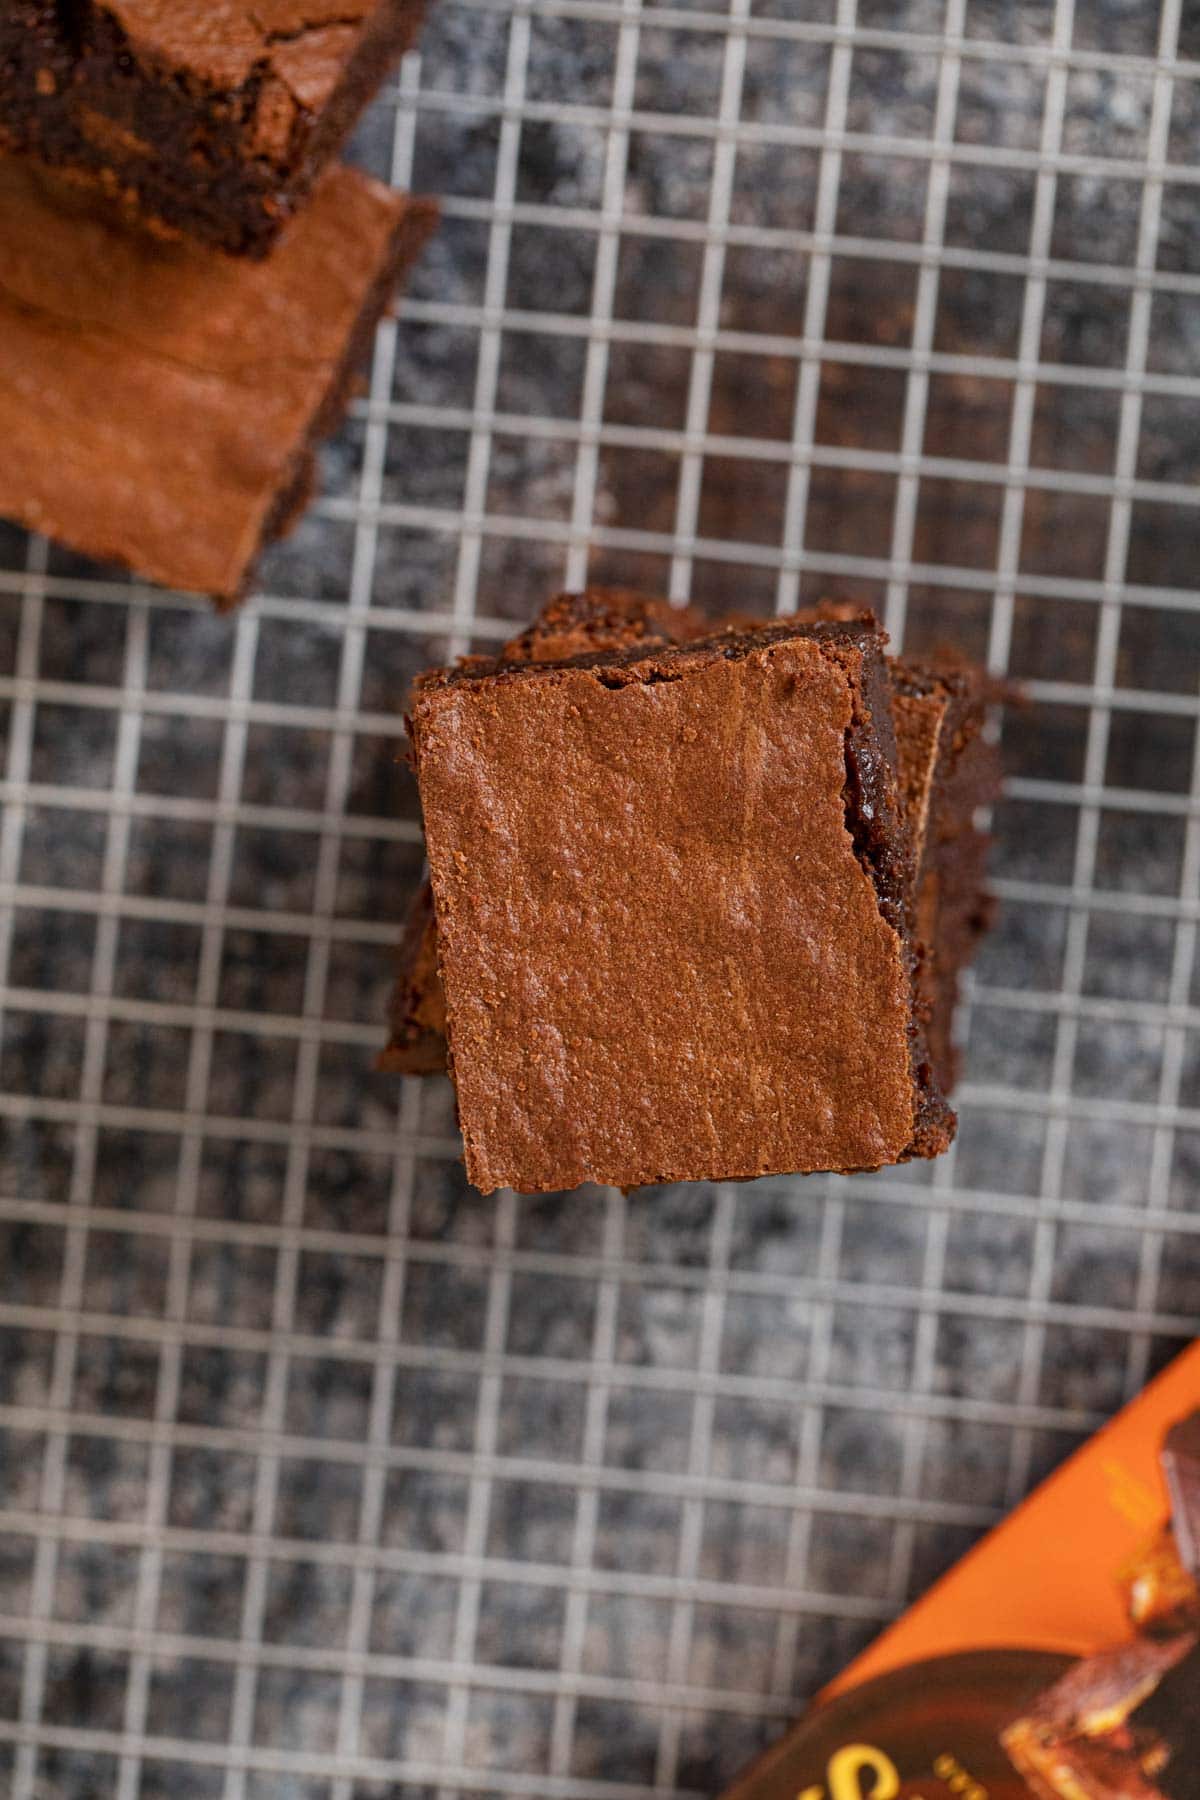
(846, 1766)
(854, 1760)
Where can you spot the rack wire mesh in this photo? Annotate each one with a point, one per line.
(324, 1478)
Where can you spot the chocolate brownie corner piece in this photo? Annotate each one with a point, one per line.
(670, 892)
(213, 118)
(160, 405)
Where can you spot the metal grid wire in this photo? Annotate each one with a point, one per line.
(324, 1478)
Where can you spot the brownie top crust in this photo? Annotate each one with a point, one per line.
(223, 43)
(669, 890)
(157, 400)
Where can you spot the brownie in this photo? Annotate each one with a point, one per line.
(160, 404)
(568, 625)
(672, 889)
(214, 118)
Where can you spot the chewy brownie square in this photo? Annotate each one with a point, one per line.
(211, 117)
(160, 403)
(671, 888)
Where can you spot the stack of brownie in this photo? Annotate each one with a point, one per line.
(698, 902)
(190, 281)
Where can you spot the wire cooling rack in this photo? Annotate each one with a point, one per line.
(324, 1477)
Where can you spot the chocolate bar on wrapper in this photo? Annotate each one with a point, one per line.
(1181, 1464)
(1060, 1660)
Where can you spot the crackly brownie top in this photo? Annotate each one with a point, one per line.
(662, 937)
(224, 43)
(621, 665)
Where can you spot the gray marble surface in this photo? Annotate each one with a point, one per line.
(305, 1448)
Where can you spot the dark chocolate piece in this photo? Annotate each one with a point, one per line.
(214, 118)
(1181, 1464)
(672, 890)
(1166, 1728)
(160, 403)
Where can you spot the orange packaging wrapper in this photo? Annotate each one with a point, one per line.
(1059, 1660)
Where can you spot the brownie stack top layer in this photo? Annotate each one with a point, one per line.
(158, 402)
(669, 889)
